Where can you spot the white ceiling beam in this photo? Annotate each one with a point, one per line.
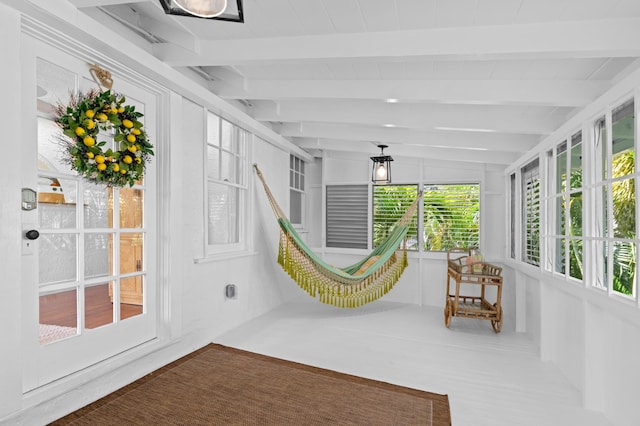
(435, 153)
(160, 29)
(413, 116)
(576, 39)
(226, 77)
(490, 141)
(487, 92)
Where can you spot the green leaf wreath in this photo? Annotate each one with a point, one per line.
(84, 118)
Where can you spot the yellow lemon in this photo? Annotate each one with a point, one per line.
(89, 113)
(116, 167)
(127, 159)
(127, 123)
(131, 138)
(99, 159)
(132, 148)
(89, 124)
(113, 111)
(123, 171)
(89, 154)
(79, 131)
(102, 116)
(138, 160)
(121, 110)
(136, 132)
(89, 141)
(102, 166)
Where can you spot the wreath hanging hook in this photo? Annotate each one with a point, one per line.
(101, 76)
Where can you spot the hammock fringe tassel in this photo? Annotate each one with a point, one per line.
(345, 292)
(350, 287)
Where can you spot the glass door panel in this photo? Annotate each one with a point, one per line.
(90, 268)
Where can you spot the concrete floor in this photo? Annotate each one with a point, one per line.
(491, 379)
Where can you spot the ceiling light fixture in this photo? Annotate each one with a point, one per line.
(223, 10)
(381, 173)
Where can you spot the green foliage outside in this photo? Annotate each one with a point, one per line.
(624, 210)
(451, 217)
(389, 204)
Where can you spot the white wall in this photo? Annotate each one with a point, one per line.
(594, 340)
(593, 337)
(191, 287)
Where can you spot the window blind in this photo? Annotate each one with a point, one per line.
(531, 213)
(451, 216)
(390, 202)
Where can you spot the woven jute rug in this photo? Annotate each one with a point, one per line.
(218, 385)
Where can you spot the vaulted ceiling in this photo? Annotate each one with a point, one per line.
(471, 80)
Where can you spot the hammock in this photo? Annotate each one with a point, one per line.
(349, 287)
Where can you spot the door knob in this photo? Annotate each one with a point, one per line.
(32, 234)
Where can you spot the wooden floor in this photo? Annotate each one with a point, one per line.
(60, 308)
(491, 379)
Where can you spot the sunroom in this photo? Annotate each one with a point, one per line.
(509, 125)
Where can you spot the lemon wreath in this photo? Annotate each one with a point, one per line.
(84, 118)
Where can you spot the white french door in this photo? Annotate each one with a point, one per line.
(89, 288)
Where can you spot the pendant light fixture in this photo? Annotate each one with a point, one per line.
(225, 10)
(381, 173)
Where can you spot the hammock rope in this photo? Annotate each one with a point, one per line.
(351, 286)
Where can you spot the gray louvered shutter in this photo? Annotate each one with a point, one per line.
(347, 216)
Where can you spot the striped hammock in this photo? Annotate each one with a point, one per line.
(349, 287)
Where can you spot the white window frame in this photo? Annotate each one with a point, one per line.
(342, 219)
(298, 184)
(239, 150)
(604, 237)
(450, 184)
(552, 200)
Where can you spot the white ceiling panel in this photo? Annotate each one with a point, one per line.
(414, 14)
(345, 15)
(379, 15)
(456, 13)
(626, 8)
(587, 9)
(611, 68)
(451, 75)
(496, 12)
(419, 70)
(313, 15)
(463, 70)
(540, 11)
(263, 16)
(578, 70)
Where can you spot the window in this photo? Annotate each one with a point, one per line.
(226, 182)
(296, 190)
(347, 216)
(615, 232)
(530, 178)
(512, 215)
(451, 216)
(390, 202)
(565, 195)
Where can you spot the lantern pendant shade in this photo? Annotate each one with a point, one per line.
(225, 10)
(381, 172)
